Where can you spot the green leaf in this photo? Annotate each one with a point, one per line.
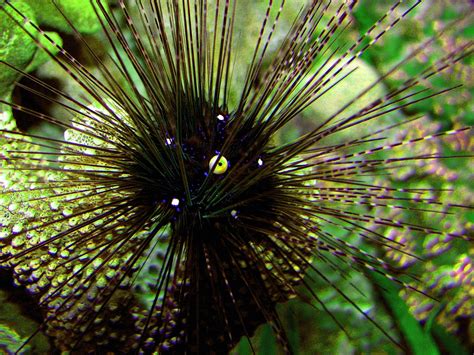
(418, 341)
(268, 344)
(430, 322)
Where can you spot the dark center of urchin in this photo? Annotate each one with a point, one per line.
(209, 169)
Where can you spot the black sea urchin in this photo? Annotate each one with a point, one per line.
(170, 163)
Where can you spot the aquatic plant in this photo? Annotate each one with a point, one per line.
(173, 215)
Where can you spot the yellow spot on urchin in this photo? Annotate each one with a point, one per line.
(218, 167)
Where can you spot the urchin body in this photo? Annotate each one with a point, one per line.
(229, 234)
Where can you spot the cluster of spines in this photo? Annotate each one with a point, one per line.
(271, 105)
